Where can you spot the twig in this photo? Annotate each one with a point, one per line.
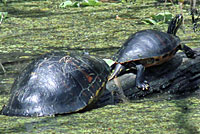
(192, 4)
(2, 16)
(195, 20)
(2, 68)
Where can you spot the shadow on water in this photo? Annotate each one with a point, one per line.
(37, 13)
(26, 14)
(94, 51)
(46, 123)
(22, 1)
(182, 118)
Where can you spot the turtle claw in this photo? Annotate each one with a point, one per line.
(143, 86)
(191, 54)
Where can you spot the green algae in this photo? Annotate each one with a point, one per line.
(37, 27)
(176, 116)
(42, 26)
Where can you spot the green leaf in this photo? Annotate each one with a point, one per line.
(4, 2)
(149, 21)
(109, 62)
(83, 3)
(90, 3)
(165, 17)
(67, 3)
(4, 14)
(158, 18)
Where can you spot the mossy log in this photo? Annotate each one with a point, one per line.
(176, 76)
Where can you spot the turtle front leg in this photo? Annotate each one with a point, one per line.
(140, 82)
(188, 51)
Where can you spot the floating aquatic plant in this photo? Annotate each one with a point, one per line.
(82, 3)
(4, 2)
(159, 18)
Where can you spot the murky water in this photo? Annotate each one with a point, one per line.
(36, 27)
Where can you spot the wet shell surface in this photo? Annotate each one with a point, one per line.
(57, 83)
(148, 47)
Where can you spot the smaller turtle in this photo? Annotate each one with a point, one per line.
(57, 83)
(148, 48)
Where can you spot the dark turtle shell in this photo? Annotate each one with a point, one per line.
(147, 45)
(57, 83)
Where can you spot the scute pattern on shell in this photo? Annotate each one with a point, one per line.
(146, 44)
(57, 83)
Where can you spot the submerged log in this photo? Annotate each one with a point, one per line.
(176, 76)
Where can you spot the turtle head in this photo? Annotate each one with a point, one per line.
(175, 24)
(117, 70)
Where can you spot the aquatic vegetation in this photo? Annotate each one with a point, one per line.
(4, 2)
(109, 61)
(128, 1)
(36, 27)
(82, 3)
(2, 16)
(159, 18)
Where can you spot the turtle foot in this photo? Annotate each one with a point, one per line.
(191, 54)
(143, 86)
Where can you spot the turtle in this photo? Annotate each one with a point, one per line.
(57, 83)
(148, 48)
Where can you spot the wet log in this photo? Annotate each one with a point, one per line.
(176, 76)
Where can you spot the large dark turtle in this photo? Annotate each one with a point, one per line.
(148, 48)
(57, 83)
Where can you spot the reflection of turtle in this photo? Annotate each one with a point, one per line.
(57, 83)
(148, 48)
